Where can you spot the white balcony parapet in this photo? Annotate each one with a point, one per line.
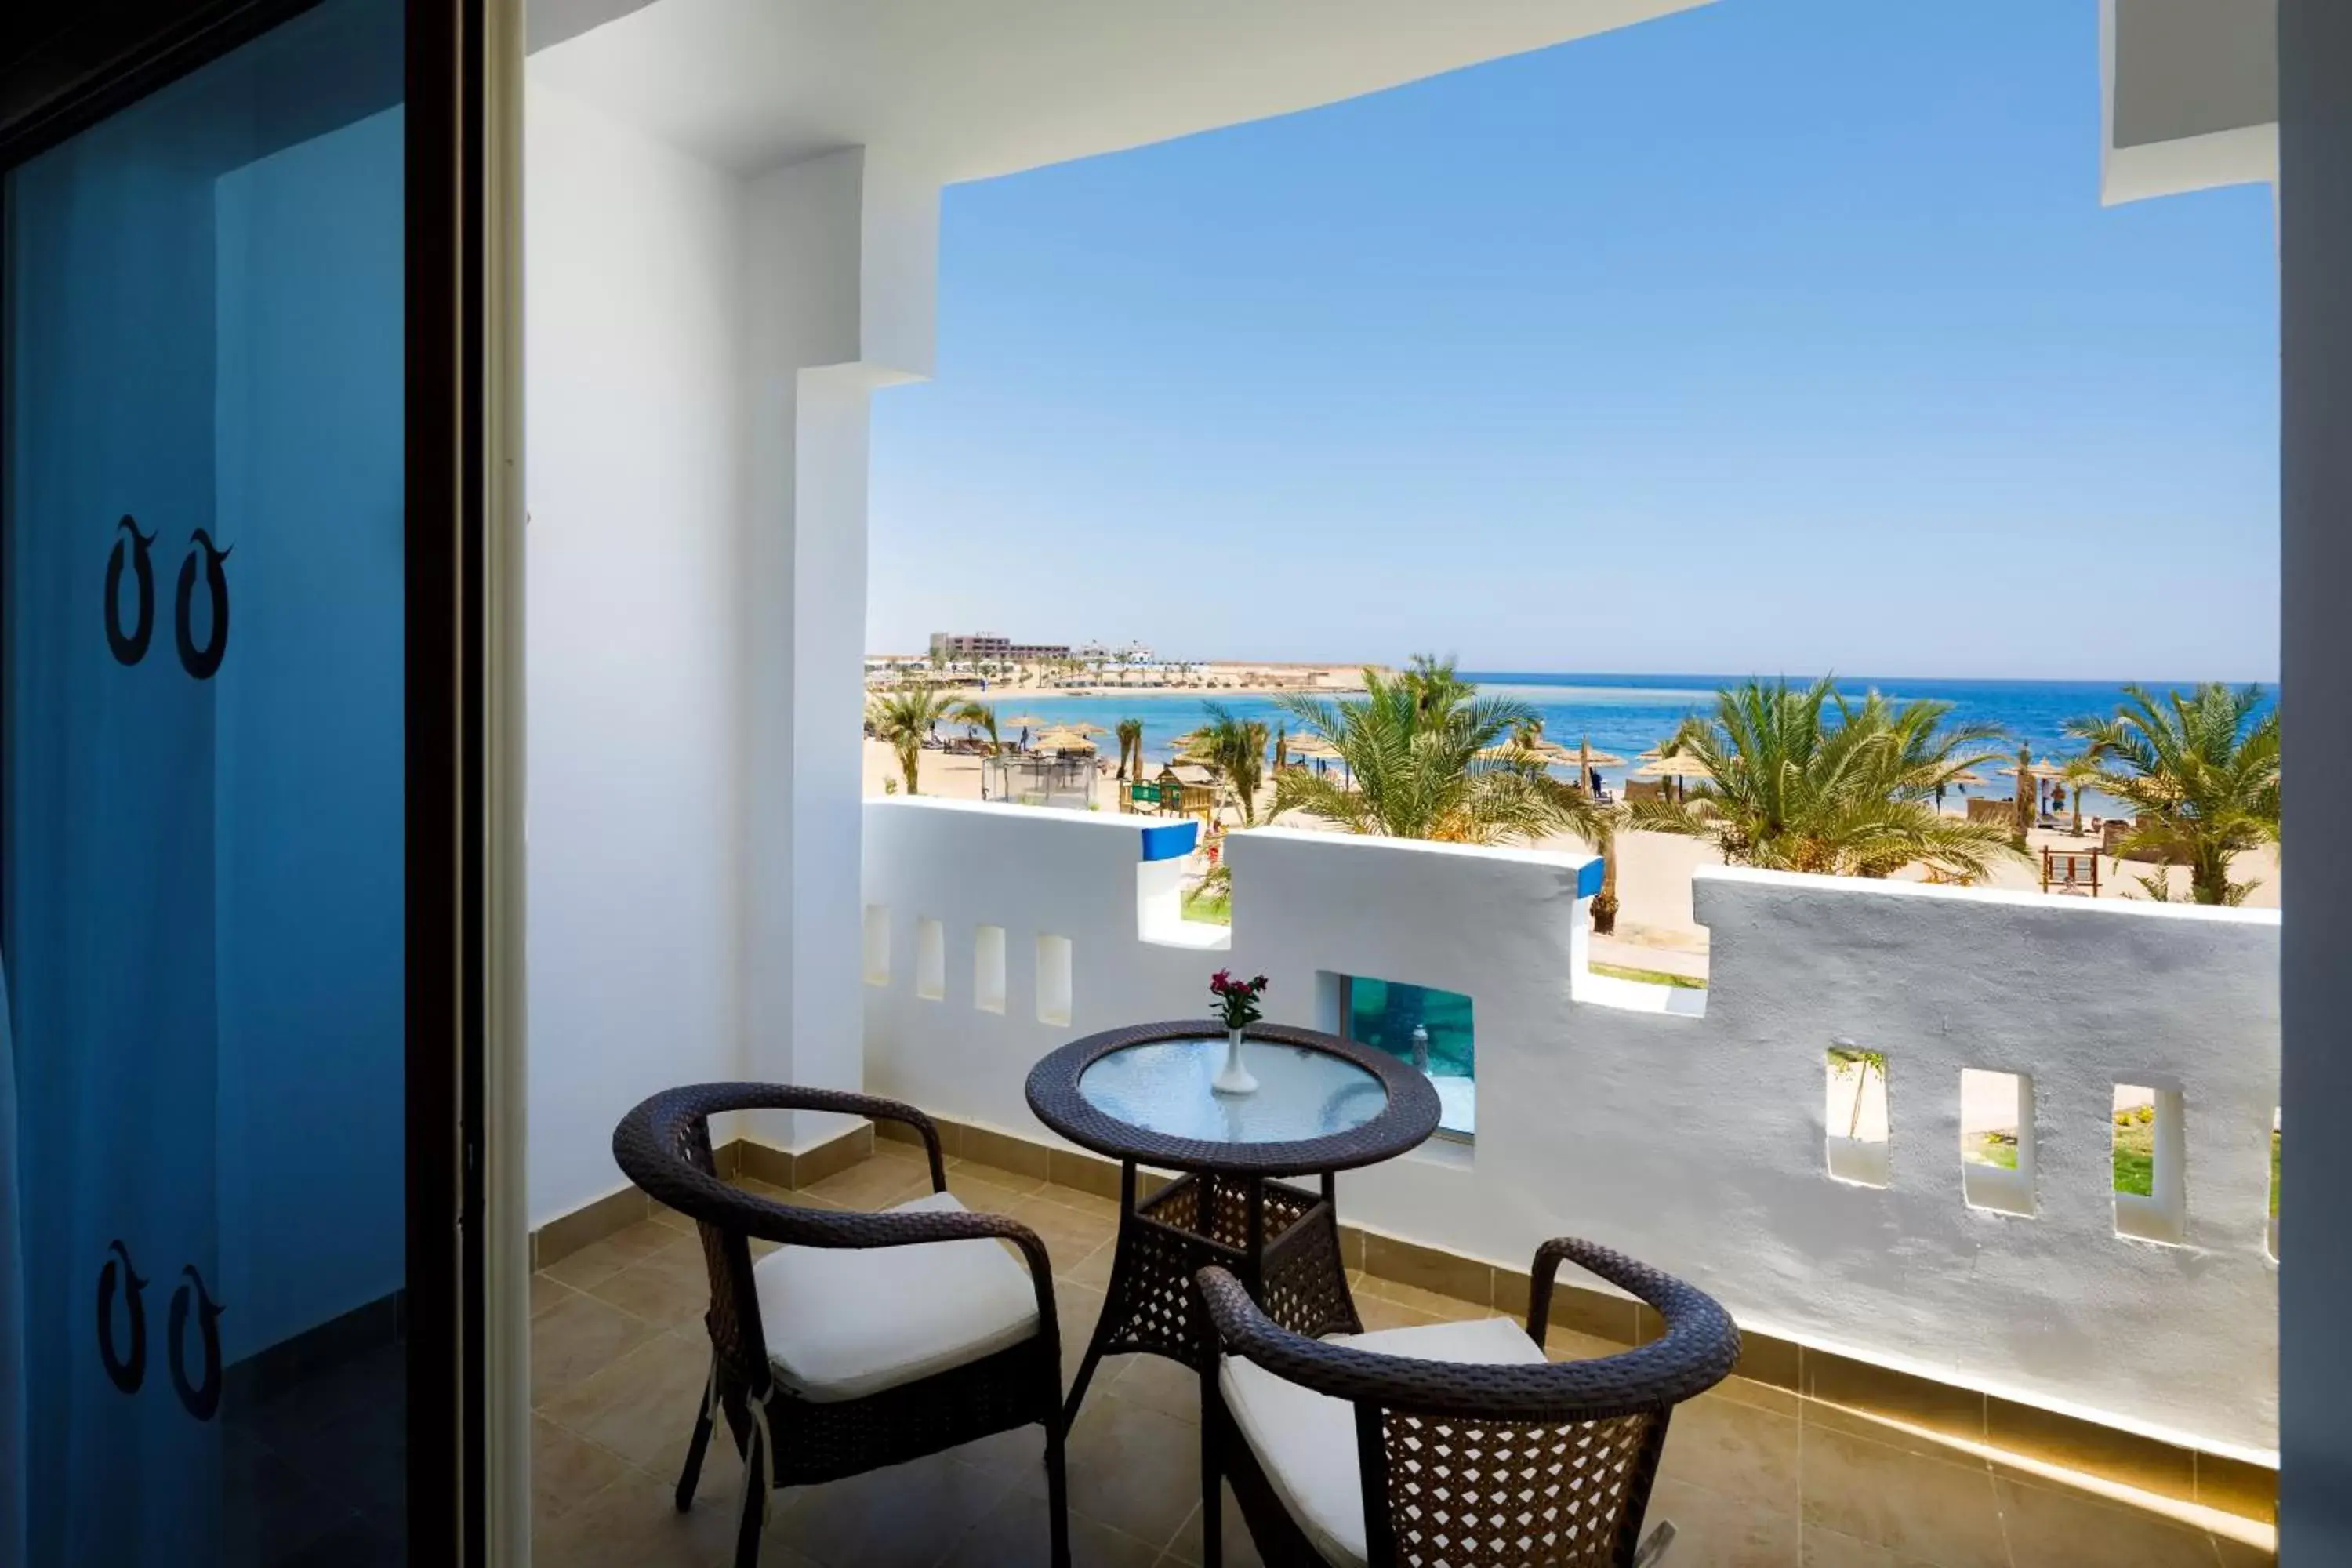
(1691, 1128)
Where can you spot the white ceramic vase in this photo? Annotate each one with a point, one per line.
(1234, 1078)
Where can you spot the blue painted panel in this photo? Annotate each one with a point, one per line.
(1588, 878)
(1169, 840)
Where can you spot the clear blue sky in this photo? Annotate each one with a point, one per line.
(1769, 336)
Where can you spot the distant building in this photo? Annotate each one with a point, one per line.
(1105, 653)
(966, 647)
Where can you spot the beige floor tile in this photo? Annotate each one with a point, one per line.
(633, 1523)
(1019, 1454)
(1094, 1269)
(1567, 1344)
(872, 1184)
(1241, 1551)
(1078, 1308)
(1378, 1313)
(995, 1176)
(2236, 1553)
(1094, 1204)
(670, 1219)
(642, 1406)
(907, 1516)
(1133, 1468)
(1761, 1395)
(577, 1338)
(978, 1190)
(1828, 1549)
(1886, 1430)
(1158, 1384)
(670, 1289)
(546, 1293)
(1910, 1503)
(1019, 1530)
(565, 1472)
(1721, 1531)
(600, 1260)
(1737, 1450)
(1067, 1234)
(1437, 1305)
(2050, 1527)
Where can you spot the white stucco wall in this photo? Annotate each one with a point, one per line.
(702, 348)
(633, 316)
(1698, 1142)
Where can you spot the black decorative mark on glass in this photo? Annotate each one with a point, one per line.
(126, 1376)
(202, 1399)
(201, 662)
(131, 647)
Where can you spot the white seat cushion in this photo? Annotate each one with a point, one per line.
(1305, 1442)
(844, 1322)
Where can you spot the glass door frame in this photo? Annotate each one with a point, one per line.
(65, 64)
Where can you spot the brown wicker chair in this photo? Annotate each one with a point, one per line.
(942, 1345)
(1454, 1444)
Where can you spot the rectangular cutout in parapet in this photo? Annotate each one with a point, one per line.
(988, 969)
(1053, 979)
(1856, 1111)
(930, 960)
(2151, 1192)
(1432, 1029)
(1997, 1140)
(877, 961)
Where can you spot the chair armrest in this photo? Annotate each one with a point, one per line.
(1678, 1304)
(1653, 1377)
(651, 1124)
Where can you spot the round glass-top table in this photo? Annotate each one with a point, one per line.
(1164, 1087)
(1142, 1096)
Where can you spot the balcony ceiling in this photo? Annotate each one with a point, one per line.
(2190, 92)
(968, 89)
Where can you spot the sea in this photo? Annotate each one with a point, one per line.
(1627, 714)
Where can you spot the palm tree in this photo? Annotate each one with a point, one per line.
(904, 718)
(1413, 745)
(2200, 770)
(979, 716)
(1235, 748)
(1802, 780)
(1436, 688)
(1130, 744)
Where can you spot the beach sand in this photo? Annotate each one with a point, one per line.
(1655, 928)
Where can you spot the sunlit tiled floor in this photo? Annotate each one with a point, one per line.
(1752, 1474)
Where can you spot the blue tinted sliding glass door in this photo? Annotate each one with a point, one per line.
(202, 898)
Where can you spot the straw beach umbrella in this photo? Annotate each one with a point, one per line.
(1673, 768)
(1310, 747)
(1063, 740)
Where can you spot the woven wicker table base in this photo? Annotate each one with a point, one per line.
(1283, 1241)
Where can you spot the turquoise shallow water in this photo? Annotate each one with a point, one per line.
(1628, 713)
